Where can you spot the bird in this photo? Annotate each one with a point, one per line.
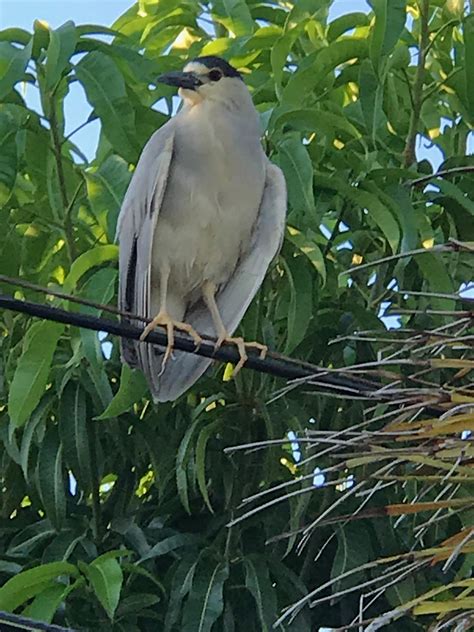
(201, 221)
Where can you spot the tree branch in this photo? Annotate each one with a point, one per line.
(441, 174)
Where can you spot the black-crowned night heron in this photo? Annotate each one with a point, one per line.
(201, 221)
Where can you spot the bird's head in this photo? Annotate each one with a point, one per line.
(208, 79)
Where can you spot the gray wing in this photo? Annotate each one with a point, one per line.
(135, 228)
(235, 297)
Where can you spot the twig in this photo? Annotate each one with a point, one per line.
(402, 255)
(445, 173)
(70, 297)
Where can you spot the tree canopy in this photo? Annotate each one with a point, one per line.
(120, 515)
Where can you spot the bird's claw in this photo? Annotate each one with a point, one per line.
(164, 320)
(241, 345)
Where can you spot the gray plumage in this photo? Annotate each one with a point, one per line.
(204, 205)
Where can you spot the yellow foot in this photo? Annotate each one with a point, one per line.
(164, 320)
(241, 347)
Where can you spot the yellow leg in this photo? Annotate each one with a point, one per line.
(163, 319)
(209, 292)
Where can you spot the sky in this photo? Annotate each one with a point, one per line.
(22, 13)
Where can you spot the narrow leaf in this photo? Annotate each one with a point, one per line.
(62, 43)
(105, 90)
(74, 435)
(27, 584)
(51, 478)
(258, 583)
(201, 444)
(206, 603)
(106, 578)
(13, 62)
(131, 389)
(32, 371)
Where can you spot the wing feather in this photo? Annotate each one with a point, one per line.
(135, 228)
(235, 297)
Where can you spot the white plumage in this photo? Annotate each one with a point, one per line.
(205, 210)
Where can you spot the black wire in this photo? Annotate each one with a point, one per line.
(273, 364)
(14, 622)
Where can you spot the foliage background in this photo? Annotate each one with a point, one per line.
(114, 511)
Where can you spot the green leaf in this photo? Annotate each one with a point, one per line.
(8, 155)
(279, 55)
(298, 170)
(13, 62)
(180, 587)
(313, 119)
(132, 388)
(100, 288)
(62, 43)
(105, 90)
(27, 440)
(401, 592)
(452, 191)
(182, 458)
(201, 445)
(54, 192)
(300, 309)
(106, 578)
(313, 70)
(63, 545)
(353, 550)
(171, 543)
(89, 259)
(390, 18)
(468, 31)
(375, 208)
(20, 36)
(239, 19)
(439, 279)
(105, 189)
(28, 541)
(346, 23)
(73, 430)
(135, 604)
(399, 198)
(51, 477)
(32, 371)
(44, 605)
(308, 246)
(371, 99)
(205, 603)
(258, 583)
(27, 584)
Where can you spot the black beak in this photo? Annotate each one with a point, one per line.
(187, 80)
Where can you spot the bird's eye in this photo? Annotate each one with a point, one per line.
(215, 74)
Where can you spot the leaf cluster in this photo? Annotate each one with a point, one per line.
(114, 512)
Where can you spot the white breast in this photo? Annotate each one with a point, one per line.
(211, 202)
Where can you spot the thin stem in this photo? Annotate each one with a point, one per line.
(409, 152)
(441, 174)
(77, 129)
(56, 139)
